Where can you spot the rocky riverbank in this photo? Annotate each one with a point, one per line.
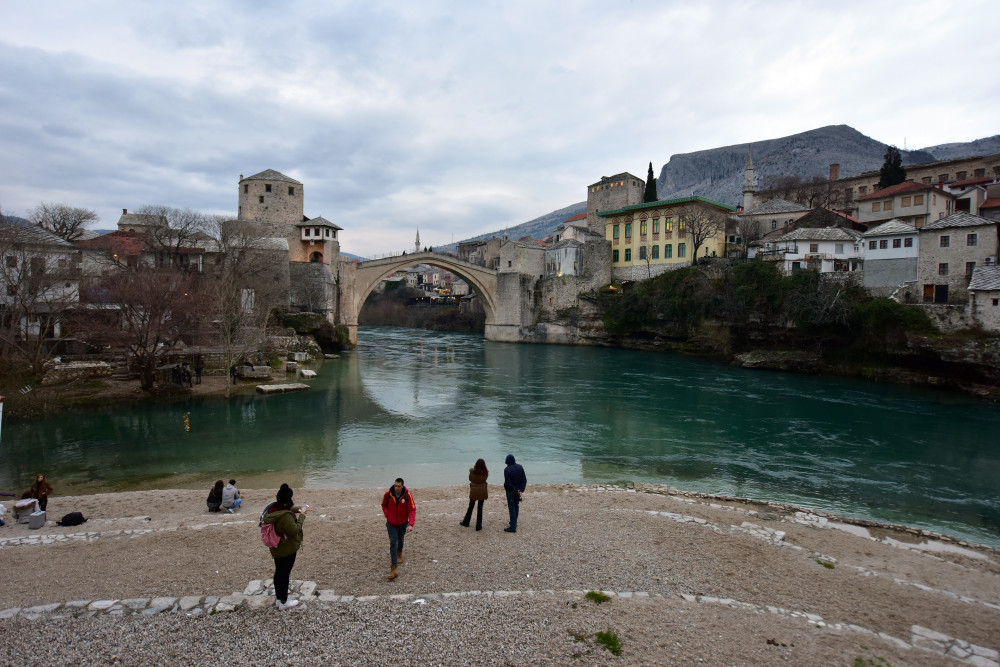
(152, 578)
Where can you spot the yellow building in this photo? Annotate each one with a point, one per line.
(648, 239)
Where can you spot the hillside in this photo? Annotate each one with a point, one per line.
(718, 173)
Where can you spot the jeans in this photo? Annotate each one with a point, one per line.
(396, 535)
(479, 514)
(513, 503)
(282, 573)
(236, 503)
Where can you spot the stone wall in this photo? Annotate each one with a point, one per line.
(949, 317)
(76, 370)
(888, 274)
(313, 287)
(984, 312)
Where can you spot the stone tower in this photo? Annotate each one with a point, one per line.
(270, 196)
(610, 193)
(748, 186)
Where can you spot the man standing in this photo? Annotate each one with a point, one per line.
(400, 513)
(514, 482)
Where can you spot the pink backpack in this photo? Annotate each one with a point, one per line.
(269, 536)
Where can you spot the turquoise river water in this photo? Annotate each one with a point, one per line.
(425, 405)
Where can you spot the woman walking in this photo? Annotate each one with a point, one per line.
(41, 489)
(477, 492)
(287, 520)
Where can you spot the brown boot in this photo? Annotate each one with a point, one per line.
(393, 573)
(399, 557)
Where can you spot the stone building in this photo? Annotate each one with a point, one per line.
(611, 193)
(984, 297)
(950, 251)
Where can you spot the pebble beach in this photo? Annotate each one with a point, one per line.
(595, 575)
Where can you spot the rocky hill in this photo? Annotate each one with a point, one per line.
(717, 173)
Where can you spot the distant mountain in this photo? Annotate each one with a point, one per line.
(718, 173)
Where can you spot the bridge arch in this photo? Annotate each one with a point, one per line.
(482, 281)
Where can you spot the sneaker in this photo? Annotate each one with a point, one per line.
(229, 509)
(285, 605)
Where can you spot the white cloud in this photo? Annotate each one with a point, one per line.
(459, 119)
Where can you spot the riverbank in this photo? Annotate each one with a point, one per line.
(697, 580)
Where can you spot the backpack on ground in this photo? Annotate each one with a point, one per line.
(71, 519)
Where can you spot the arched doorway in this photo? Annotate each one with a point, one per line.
(316, 257)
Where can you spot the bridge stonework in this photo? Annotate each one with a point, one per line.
(358, 279)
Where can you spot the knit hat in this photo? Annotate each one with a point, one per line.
(284, 495)
(509, 459)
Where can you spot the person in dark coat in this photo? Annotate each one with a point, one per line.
(287, 520)
(514, 481)
(478, 492)
(214, 499)
(41, 489)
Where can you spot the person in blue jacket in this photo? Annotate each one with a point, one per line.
(514, 481)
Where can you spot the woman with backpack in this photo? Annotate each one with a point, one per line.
(287, 520)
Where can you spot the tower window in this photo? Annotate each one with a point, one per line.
(246, 188)
(291, 191)
(267, 187)
(260, 199)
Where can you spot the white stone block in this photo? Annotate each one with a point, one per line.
(100, 605)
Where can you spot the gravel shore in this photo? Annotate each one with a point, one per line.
(689, 580)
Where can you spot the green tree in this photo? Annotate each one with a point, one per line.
(892, 171)
(650, 193)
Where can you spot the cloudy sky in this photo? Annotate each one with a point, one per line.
(455, 118)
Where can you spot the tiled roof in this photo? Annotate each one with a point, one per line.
(820, 234)
(958, 219)
(578, 216)
(899, 188)
(664, 202)
(985, 278)
(773, 206)
(318, 221)
(271, 175)
(992, 202)
(894, 226)
(31, 234)
(126, 244)
(968, 182)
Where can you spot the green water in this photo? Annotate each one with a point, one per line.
(425, 405)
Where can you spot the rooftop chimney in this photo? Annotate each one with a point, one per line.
(834, 172)
(124, 211)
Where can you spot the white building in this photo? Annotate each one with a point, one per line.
(891, 254)
(826, 249)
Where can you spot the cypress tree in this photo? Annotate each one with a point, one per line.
(650, 193)
(892, 171)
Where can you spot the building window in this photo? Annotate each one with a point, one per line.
(656, 225)
(796, 266)
(628, 232)
(862, 189)
(614, 231)
(656, 252)
(628, 254)
(908, 242)
(11, 290)
(813, 247)
(942, 178)
(883, 244)
(246, 189)
(972, 239)
(305, 232)
(905, 201)
(11, 262)
(960, 176)
(996, 302)
(980, 172)
(668, 251)
(774, 224)
(267, 187)
(897, 243)
(614, 256)
(876, 206)
(680, 249)
(925, 179)
(942, 269)
(969, 268)
(291, 191)
(260, 199)
(642, 228)
(918, 200)
(945, 241)
(887, 205)
(872, 245)
(668, 225)
(681, 224)
(642, 252)
(838, 249)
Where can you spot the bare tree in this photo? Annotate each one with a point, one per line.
(172, 233)
(700, 223)
(747, 230)
(67, 222)
(245, 284)
(148, 311)
(39, 285)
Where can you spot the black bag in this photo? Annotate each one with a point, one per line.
(71, 519)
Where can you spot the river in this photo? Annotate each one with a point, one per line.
(425, 405)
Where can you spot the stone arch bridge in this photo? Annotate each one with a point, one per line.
(358, 279)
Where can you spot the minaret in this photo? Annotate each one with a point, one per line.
(416, 246)
(748, 188)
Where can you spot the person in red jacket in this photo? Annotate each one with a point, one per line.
(400, 513)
